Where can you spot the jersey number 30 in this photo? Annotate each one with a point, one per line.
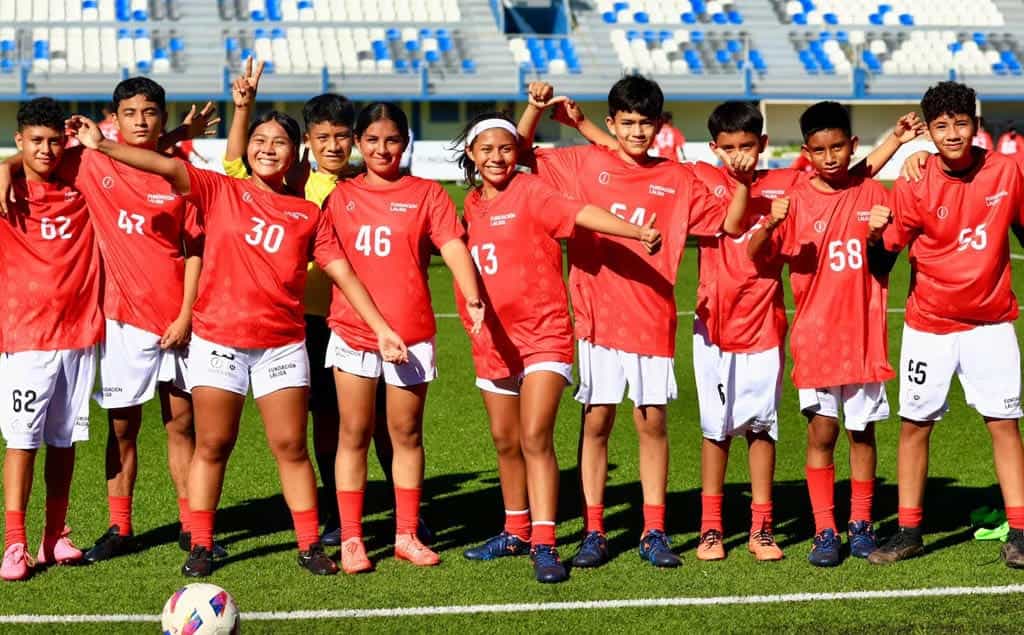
(265, 235)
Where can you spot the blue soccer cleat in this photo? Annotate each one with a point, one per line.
(500, 546)
(826, 549)
(546, 565)
(862, 539)
(654, 548)
(593, 551)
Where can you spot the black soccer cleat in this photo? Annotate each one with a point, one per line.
(199, 563)
(1012, 552)
(109, 545)
(316, 561)
(185, 544)
(906, 543)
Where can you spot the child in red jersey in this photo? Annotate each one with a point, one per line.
(50, 282)
(956, 220)
(838, 338)
(248, 326)
(388, 223)
(524, 356)
(623, 302)
(151, 244)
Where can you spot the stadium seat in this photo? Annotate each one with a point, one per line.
(668, 12)
(904, 13)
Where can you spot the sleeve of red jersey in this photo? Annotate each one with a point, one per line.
(559, 167)
(193, 233)
(444, 220)
(554, 211)
(905, 221)
(203, 188)
(706, 211)
(71, 163)
(326, 247)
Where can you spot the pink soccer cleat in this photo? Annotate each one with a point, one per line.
(353, 557)
(62, 551)
(408, 547)
(17, 564)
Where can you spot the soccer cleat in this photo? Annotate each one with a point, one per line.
(906, 543)
(762, 545)
(185, 544)
(408, 547)
(825, 552)
(199, 563)
(16, 564)
(108, 545)
(316, 561)
(593, 551)
(862, 539)
(654, 548)
(710, 546)
(353, 557)
(547, 567)
(60, 551)
(500, 546)
(332, 532)
(1012, 552)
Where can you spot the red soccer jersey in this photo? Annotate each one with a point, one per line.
(957, 230)
(514, 241)
(839, 330)
(258, 244)
(668, 141)
(387, 233)
(49, 271)
(622, 297)
(144, 229)
(740, 300)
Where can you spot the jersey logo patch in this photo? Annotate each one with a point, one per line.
(247, 197)
(719, 191)
(772, 194)
(942, 212)
(992, 201)
(107, 182)
(502, 219)
(401, 208)
(661, 190)
(603, 178)
(820, 226)
(296, 215)
(351, 206)
(159, 199)
(863, 216)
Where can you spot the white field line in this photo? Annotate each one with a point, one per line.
(471, 609)
(1017, 256)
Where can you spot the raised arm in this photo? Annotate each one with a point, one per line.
(907, 128)
(172, 170)
(392, 348)
(539, 97)
(243, 94)
(568, 113)
(600, 220)
(741, 166)
(456, 256)
(195, 124)
(760, 241)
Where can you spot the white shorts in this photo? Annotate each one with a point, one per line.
(511, 385)
(861, 403)
(44, 397)
(737, 392)
(605, 373)
(234, 369)
(986, 359)
(418, 370)
(132, 364)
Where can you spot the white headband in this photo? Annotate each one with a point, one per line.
(487, 124)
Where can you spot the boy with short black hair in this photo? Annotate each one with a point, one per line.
(838, 337)
(50, 280)
(960, 311)
(623, 299)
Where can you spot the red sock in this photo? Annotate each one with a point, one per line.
(56, 515)
(543, 533)
(407, 509)
(350, 509)
(14, 529)
(121, 513)
(909, 516)
(760, 516)
(861, 495)
(1015, 517)
(821, 483)
(183, 514)
(711, 512)
(654, 517)
(517, 523)
(202, 527)
(595, 518)
(307, 527)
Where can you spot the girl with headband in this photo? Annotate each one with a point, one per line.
(387, 224)
(523, 355)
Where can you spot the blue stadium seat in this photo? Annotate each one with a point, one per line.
(641, 18)
(468, 66)
(735, 17)
(609, 17)
(401, 66)
(906, 19)
(688, 18)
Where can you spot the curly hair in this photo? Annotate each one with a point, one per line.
(41, 111)
(948, 98)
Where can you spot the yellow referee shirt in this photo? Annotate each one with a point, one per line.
(318, 285)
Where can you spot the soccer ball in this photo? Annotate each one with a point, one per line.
(200, 609)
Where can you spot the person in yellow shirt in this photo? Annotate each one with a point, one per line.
(328, 121)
